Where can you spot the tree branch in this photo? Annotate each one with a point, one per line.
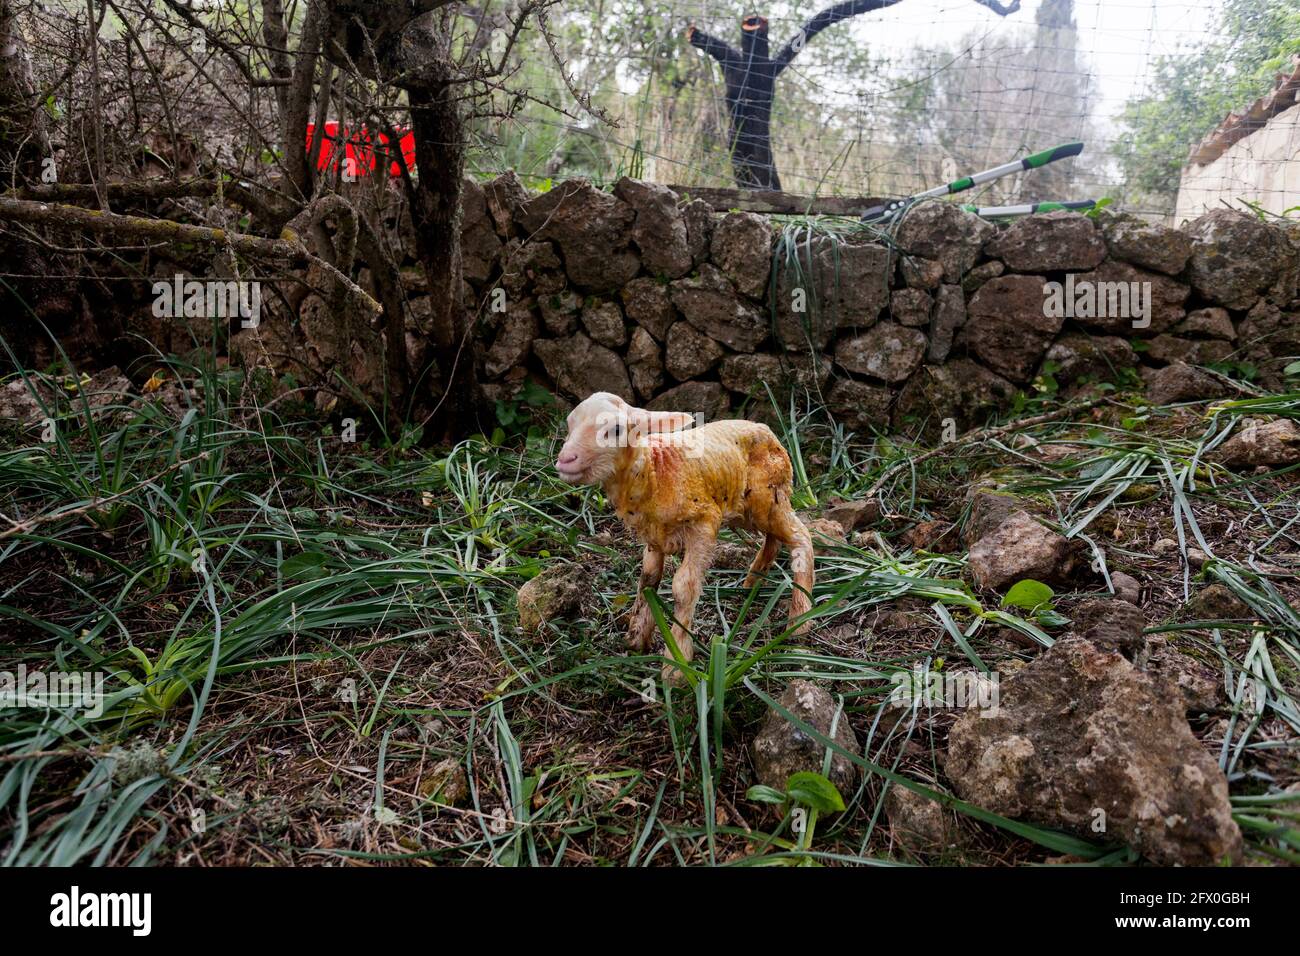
(820, 21)
(147, 190)
(720, 50)
(298, 102)
(288, 247)
(852, 8)
(220, 43)
(998, 8)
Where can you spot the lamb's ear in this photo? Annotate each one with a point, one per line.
(651, 423)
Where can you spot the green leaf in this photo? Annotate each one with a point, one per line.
(1029, 595)
(761, 794)
(815, 791)
(308, 566)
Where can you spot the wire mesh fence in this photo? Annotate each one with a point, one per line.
(889, 101)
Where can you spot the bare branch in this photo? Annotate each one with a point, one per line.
(826, 18)
(288, 247)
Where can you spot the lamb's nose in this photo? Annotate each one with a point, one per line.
(568, 458)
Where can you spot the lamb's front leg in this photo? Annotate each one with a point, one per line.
(687, 584)
(641, 626)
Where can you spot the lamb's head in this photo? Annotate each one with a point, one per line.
(599, 427)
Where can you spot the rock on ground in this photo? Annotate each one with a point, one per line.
(554, 594)
(446, 783)
(1111, 624)
(1199, 685)
(826, 533)
(107, 390)
(1127, 587)
(1018, 548)
(782, 749)
(18, 404)
(852, 515)
(1215, 602)
(917, 823)
(1181, 382)
(986, 508)
(1080, 737)
(1274, 444)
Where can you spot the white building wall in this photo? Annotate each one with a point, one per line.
(1263, 167)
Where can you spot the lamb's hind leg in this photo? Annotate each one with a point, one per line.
(687, 584)
(763, 560)
(641, 627)
(791, 531)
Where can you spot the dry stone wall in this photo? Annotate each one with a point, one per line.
(657, 298)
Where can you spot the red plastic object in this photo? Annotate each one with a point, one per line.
(358, 149)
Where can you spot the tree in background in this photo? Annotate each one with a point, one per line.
(986, 100)
(1193, 90)
(751, 72)
(1058, 98)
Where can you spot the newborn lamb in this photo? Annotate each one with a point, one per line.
(675, 486)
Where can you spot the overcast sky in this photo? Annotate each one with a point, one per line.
(1118, 38)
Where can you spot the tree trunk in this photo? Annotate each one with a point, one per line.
(23, 140)
(440, 139)
(410, 44)
(751, 141)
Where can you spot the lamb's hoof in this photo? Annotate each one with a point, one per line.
(673, 675)
(638, 645)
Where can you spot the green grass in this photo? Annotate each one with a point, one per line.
(295, 631)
